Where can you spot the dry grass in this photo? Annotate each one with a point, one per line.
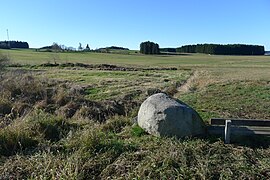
(80, 121)
(240, 74)
(98, 152)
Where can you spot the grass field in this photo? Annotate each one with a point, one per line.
(30, 56)
(73, 122)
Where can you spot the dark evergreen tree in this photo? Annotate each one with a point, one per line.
(13, 44)
(87, 48)
(218, 49)
(4, 45)
(149, 48)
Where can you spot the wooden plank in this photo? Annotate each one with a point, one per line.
(241, 122)
(251, 130)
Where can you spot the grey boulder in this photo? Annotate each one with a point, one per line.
(161, 115)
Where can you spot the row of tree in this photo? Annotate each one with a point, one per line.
(13, 44)
(153, 48)
(170, 50)
(218, 49)
(149, 48)
(55, 47)
(4, 45)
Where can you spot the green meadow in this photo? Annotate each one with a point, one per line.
(30, 56)
(64, 120)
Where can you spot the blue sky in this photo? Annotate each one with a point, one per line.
(127, 23)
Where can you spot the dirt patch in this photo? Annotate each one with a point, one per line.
(103, 67)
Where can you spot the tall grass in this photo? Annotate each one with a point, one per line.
(16, 139)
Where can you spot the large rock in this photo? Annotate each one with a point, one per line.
(161, 115)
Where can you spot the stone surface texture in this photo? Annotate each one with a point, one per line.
(161, 115)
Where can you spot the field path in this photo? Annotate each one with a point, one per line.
(187, 86)
(198, 79)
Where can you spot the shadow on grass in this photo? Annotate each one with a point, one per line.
(254, 141)
(173, 54)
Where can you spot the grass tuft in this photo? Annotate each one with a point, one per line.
(115, 124)
(137, 131)
(50, 127)
(14, 139)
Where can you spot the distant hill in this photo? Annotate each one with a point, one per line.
(113, 48)
(117, 48)
(46, 47)
(267, 53)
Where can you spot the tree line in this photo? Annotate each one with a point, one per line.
(149, 48)
(218, 49)
(13, 44)
(171, 50)
(153, 48)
